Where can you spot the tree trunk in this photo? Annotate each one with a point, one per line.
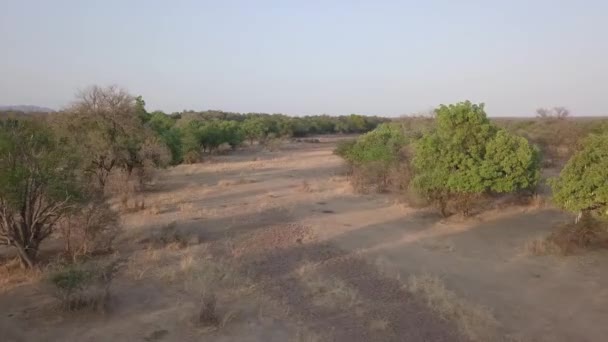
(26, 257)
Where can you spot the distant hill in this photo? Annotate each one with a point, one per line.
(26, 109)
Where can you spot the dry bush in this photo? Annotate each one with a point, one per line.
(475, 322)
(82, 286)
(543, 246)
(126, 189)
(89, 230)
(525, 199)
(273, 144)
(192, 157)
(378, 177)
(571, 238)
(327, 290)
(169, 237)
(466, 204)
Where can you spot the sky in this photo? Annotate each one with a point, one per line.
(310, 57)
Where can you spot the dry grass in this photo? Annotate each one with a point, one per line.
(132, 203)
(475, 322)
(84, 286)
(13, 275)
(537, 201)
(169, 236)
(154, 210)
(327, 290)
(378, 324)
(232, 182)
(305, 187)
(543, 246)
(570, 239)
(304, 335)
(185, 207)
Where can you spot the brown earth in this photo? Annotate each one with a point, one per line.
(293, 254)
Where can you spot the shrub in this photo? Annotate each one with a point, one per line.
(582, 185)
(466, 156)
(510, 163)
(571, 238)
(90, 229)
(344, 147)
(374, 157)
(80, 286)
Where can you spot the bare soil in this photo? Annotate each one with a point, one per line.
(293, 254)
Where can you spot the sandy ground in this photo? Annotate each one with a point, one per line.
(293, 254)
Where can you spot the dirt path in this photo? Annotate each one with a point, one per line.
(293, 254)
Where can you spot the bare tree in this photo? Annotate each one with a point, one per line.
(553, 113)
(543, 113)
(105, 124)
(561, 112)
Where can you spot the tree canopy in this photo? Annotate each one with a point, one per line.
(466, 155)
(583, 183)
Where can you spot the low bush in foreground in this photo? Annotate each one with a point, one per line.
(571, 238)
(80, 286)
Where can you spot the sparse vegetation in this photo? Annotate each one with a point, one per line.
(80, 286)
(475, 322)
(454, 160)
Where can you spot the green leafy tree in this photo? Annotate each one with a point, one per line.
(466, 156)
(164, 126)
(38, 186)
(374, 156)
(582, 185)
(510, 163)
(231, 133)
(254, 129)
(140, 109)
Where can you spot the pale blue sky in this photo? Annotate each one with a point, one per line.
(310, 57)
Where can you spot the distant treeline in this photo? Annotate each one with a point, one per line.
(188, 135)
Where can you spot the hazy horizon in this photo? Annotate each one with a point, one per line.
(375, 58)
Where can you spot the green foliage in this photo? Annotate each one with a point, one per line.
(71, 279)
(583, 183)
(344, 147)
(254, 129)
(38, 185)
(380, 145)
(80, 286)
(140, 109)
(375, 158)
(466, 156)
(510, 163)
(231, 133)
